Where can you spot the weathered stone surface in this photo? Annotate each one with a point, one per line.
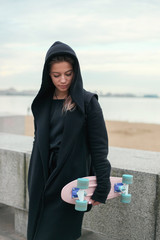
(127, 221)
(7, 228)
(20, 221)
(157, 210)
(27, 156)
(91, 235)
(12, 179)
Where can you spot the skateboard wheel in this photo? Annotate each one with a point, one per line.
(127, 179)
(82, 183)
(81, 205)
(125, 198)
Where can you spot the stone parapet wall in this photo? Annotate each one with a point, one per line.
(138, 220)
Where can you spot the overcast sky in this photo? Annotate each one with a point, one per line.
(117, 42)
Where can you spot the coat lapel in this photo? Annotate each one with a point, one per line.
(43, 126)
(73, 122)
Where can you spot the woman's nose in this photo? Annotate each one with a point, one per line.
(63, 79)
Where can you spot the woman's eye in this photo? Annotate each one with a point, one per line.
(56, 76)
(69, 74)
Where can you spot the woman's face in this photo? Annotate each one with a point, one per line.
(61, 74)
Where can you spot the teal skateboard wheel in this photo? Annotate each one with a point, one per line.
(81, 205)
(127, 179)
(125, 198)
(82, 183)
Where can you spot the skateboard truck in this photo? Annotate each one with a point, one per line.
(123, 188)
(75, 193)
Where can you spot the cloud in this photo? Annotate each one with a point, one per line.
(80, 22)
(108, 36)
(142, 63)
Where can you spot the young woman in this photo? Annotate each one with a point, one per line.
(70, 142)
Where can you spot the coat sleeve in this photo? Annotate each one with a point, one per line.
(98, 145)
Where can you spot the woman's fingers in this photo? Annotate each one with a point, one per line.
(94, 203)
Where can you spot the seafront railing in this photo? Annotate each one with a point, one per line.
(138, 220)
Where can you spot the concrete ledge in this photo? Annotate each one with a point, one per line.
(16, 143)
(12, 179)
(138, 220)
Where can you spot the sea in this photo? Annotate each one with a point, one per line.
(145, 110)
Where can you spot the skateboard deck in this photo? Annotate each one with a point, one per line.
(119, 186)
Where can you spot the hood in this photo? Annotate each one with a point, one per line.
(47, 87)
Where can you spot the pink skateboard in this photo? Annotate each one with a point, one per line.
(79, 191)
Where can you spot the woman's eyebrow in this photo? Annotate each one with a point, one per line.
(69, 70)
(65, 72)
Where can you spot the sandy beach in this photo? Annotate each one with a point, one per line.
(123, 134)
(134, 135)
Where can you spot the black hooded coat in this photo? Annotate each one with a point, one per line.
(83, 151)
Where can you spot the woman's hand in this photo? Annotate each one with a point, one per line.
(94, 203)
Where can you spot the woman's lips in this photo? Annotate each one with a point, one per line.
(63, 86)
